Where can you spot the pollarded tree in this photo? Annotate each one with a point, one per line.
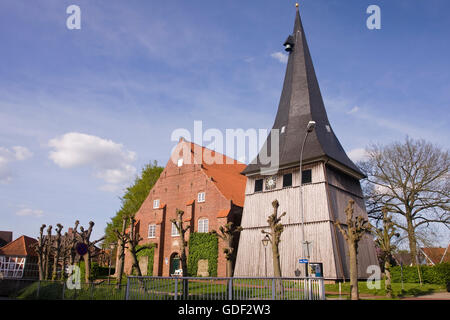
(227, 233)
(276, 229)
(383, 240)
(412, 180)
(353, 231)
(40, 250)
(178, 222)
(57, 253)
(85, 237)
(121, 244)
(47, 252)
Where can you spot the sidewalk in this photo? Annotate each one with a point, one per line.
(434, 296)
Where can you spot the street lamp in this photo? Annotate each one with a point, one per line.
(111, 246)
(265, 242)
(305, 253)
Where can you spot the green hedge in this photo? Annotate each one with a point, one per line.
(438, 274)
(150, 253)
(203, 246)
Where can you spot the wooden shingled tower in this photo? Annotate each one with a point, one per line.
(329, 180)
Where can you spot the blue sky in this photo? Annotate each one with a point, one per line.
(81, 111)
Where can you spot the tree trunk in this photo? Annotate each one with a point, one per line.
(87, 267)
(229, 268)
(353, 252)
(120, 256)
(412, 241)
(41, 267)
(387, 282)
(276, 261)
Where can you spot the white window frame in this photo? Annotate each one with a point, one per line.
(152, 231)
(175, 232)
(156, 203)
(201, 197)
(203, 225)
(180, 162)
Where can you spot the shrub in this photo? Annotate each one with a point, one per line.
(203, 246)
(437, 274)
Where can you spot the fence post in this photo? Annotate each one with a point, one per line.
(310, 289)
(176, 288)
(127, 290)
(63, 289)
(230, 289)
(91, 287)
(273, 288)
(322, 289)
(38, 288)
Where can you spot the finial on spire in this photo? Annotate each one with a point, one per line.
(296, 5)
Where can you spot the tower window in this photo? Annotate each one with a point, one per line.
(287, 180)
(180, 162)
(258, 185)
(306, 176)
(156, 204)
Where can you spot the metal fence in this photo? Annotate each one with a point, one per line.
(180, 288)
(209, 288)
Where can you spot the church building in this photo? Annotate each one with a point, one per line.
(328, 179)
(209, 188)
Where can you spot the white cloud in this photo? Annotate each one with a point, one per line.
(354, 110)
(357, 154)
(109, 160)
(17, 153)
(280, 56)
(27, 212)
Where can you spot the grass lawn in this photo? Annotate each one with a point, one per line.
(409, 289)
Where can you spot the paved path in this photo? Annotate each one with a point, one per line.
(433, 296)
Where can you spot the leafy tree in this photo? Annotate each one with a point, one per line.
(132, 200)
(412, 180)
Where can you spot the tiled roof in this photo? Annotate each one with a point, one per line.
(226, 175)
(436, 254)
(223, 213)
(19, 247)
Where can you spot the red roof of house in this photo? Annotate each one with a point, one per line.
(22, 246)
(225, 175)
(436, 254)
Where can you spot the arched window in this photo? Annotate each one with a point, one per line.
(203, 225)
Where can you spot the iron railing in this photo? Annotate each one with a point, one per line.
(212, 288)
(180, 288)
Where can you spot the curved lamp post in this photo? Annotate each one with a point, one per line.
(305, 250)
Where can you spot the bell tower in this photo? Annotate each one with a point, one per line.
(313, 197)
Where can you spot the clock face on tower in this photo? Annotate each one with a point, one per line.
(271, 182)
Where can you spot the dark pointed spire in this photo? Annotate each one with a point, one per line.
(301, 102)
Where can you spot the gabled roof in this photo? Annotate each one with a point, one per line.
(22, 246)
(301, 101)
(437, 255)
(225, 173)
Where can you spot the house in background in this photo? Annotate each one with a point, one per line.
(18, 259)
(433, 256)
(203, 183)
(5, 237)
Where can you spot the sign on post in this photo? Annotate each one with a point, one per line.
(302, 260)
